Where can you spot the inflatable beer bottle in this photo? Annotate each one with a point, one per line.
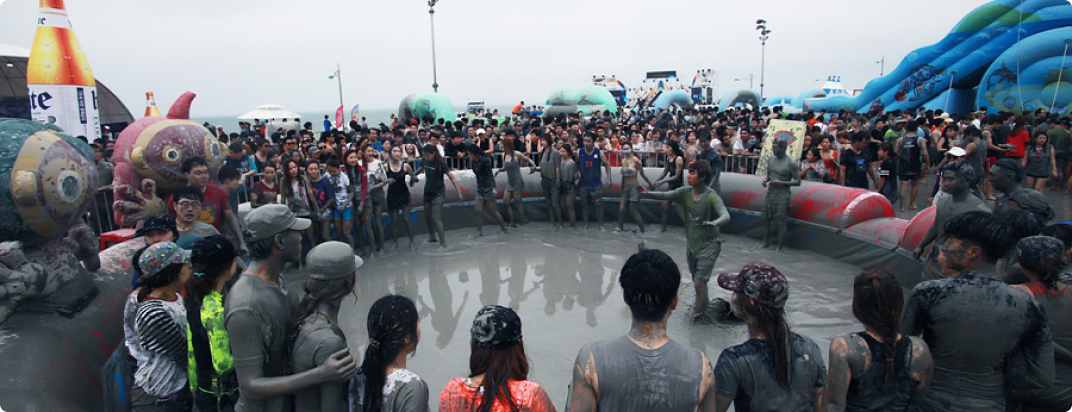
(61, 85)
(150, 106)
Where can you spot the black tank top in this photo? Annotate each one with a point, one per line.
(870, 391)
(398, 188)
(909, 161)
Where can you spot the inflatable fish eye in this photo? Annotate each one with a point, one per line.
(171, 154)
(53, 183)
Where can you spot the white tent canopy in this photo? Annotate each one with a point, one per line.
(269, 111)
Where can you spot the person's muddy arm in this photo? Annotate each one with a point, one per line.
(708, 400)
(921, 369)
(914, 313)
(1032, 364)
(932, 234)
(584, 390)
(244, 332)
(840, 374)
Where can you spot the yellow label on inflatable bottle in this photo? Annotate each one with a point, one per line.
(58, 76)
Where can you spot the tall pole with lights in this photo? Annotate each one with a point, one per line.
(761, 25)
(431, 15)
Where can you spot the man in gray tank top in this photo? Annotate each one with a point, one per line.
(644, 370)
(976, 148)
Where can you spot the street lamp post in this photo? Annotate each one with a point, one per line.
(761, 25)
(431, 16)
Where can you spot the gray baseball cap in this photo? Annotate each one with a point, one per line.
(331, 261)
(269, 220)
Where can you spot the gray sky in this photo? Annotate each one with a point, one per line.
(238, 54)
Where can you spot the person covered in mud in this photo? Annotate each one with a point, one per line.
(383, 383)
(704, 213)
(212, 375)
(259, 312)
(956, 181)
(589, 160)
(435, 169)
(485, 188)
(631, 167)
(330, 275)
(877, 369)
(775, 369)
(629, 372)
(1006, 177)
(1042, 258)
(782, 174)
(160, 374)
(498, 369)
(954, 314)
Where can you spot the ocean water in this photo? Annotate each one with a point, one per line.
(373, 116)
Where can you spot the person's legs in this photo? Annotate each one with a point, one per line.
(782, 217)
(507, 199)
(633, 209)
(550, 195)
(597, 203)
(393, 213)
(520, 205)
(666, 214)
(1030, 182)
(586, 197)
(404, 220)
(570, 211)
(437, 217)
(904, 192)
(1040, 184)
(915, 189)
(478, 205)
(492, 206)
(325, 230)
(370, 235)
(342, 226)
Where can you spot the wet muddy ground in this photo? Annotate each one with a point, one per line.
(563, 284)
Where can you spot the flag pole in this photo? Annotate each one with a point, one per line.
(338, 75)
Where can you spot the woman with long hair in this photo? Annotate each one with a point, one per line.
(377, 179)
(1039, 162)
(568, 174)
(631, 167)
(1042, 259)
(829, 154)
(673, 176)
(434, 169)
(398, 197)
(515, 183)
(358, 178)
(877, 369)
(298, 195)
(383, 384)
(330, 275)
(212, 374)
(549, 161)
(324, 194)
(498, 369)
(775, 369)
(161, 374)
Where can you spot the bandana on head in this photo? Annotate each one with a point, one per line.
(496, 327)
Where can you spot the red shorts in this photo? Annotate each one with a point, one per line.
(989, 162)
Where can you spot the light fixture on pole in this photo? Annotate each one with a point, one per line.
(431, 16)
(761, 25)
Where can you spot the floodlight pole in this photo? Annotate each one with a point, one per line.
(431, 16)
(761, 25)
(338, 75)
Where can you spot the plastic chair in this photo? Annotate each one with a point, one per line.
(115, 236)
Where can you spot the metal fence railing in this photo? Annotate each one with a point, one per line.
(101, 218)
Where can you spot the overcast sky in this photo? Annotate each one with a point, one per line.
(237, 54)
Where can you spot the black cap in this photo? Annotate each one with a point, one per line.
(161, 222)
(496, 327)
(212, 252)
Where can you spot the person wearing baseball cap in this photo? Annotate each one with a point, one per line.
(330, 275)
(260, 312)
(498, 369)
(157, 228)
(160, 374)
(212, 370)
(775, 369)
(1042, 259)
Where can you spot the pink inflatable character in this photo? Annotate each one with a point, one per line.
(149, 156)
